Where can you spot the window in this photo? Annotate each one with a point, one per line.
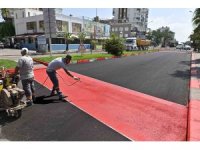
(41, 25)
(29, 14)
(31, 26)
(62, 25)
(138, 18)
(76, 27)
(16, 15)
(59, 25)
(57, 41)
(29, 40)
(126, 28)
(120, 28)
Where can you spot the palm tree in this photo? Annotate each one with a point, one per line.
(68, 37)
(6, 14)
(82, 36)
(195, 37)
(196, 18)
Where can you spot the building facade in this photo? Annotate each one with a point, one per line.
(137, 17)
(121, 29)
(29, 23)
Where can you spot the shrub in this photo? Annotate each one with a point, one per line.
(114, 45)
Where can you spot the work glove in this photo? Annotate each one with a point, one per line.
(76, 78)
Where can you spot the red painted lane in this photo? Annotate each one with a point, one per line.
(133, 114)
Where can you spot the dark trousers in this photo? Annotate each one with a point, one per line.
(54, 80)
(28, 86)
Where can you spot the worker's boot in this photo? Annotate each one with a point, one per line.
(53, 92)
(61, 96)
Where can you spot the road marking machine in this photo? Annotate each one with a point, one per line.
(10, 94)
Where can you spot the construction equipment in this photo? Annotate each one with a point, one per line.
(143, 44)
(133, 43)
(10, 94)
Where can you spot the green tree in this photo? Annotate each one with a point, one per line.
(6, 15)
(114, 45)
(68, 37)
(195, 36)
(157, 37)
(93, 44)
(167, 36)
(196, 18)
(162, 36)
(6, 29)
(82, 36)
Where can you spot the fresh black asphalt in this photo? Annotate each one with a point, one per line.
(162, 74)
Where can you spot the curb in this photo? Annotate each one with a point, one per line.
(94, 59)
(41, 62)
(194, 101)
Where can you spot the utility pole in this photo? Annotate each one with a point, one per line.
(49, 48)
(95, 27)
(49, 17)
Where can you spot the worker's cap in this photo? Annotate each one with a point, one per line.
(69, 57)
(24, 51)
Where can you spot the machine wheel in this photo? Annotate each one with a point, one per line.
(18, 113)
(6, 98)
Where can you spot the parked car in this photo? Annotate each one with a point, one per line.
(187, 47)
(1, 45)
(7, 45)
(179, 46)
(17, 46)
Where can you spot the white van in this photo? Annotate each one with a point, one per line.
(130, 43)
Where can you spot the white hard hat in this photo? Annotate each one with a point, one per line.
(24, 50)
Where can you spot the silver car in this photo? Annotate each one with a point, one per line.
(1, 45)
(187, 47)
(179, 46)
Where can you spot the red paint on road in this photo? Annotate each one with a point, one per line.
(135, 115)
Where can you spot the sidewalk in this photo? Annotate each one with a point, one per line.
(194, 99)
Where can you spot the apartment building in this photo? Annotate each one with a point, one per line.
(136, 17)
